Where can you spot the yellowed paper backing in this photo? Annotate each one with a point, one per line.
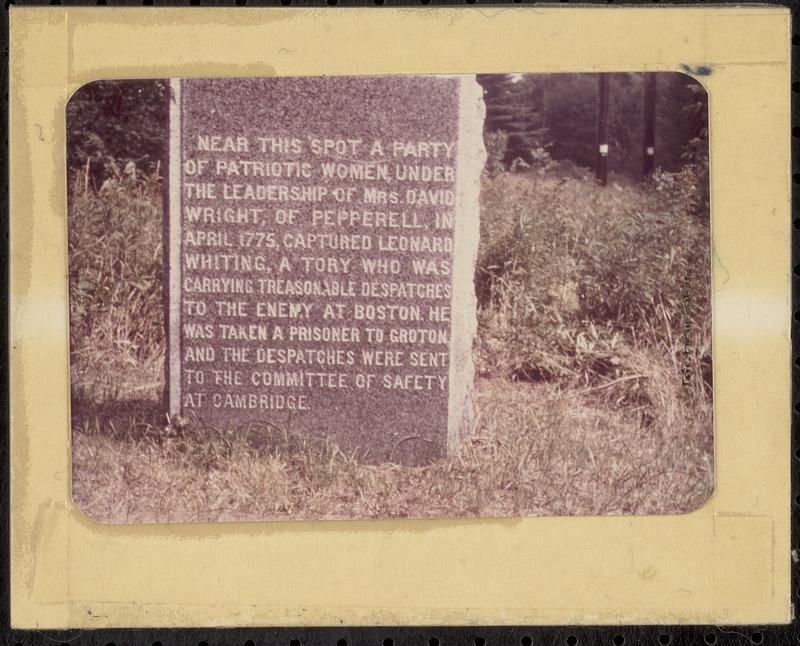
(725, 563)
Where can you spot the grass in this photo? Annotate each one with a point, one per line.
(581, 400)
(536, 450)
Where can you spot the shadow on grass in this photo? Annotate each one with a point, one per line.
(133, 418)
(136, 420)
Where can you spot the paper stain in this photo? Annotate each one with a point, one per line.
(697, 70)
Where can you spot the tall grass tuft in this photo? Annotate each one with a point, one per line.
(575, 280)
(115, 282)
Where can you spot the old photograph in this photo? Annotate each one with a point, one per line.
(371, 297)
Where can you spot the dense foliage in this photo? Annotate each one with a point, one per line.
(112, 123)
(573, 279)
(514, 108)
(558, 112)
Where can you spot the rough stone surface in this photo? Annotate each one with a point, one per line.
(338, 307)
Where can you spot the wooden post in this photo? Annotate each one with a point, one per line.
(649, 142)
(601, 171)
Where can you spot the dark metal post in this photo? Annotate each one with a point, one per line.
(602, 130)
(649, 144)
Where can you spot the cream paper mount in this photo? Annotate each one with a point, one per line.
(727, 562)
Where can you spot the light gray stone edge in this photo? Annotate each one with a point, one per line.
(470, 164)
(175, 247)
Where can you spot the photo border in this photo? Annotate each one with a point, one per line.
(325, 636)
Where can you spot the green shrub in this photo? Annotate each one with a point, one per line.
(113, 121)
(115, 267)
(573, 279)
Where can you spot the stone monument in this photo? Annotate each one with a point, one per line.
(321, 239)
